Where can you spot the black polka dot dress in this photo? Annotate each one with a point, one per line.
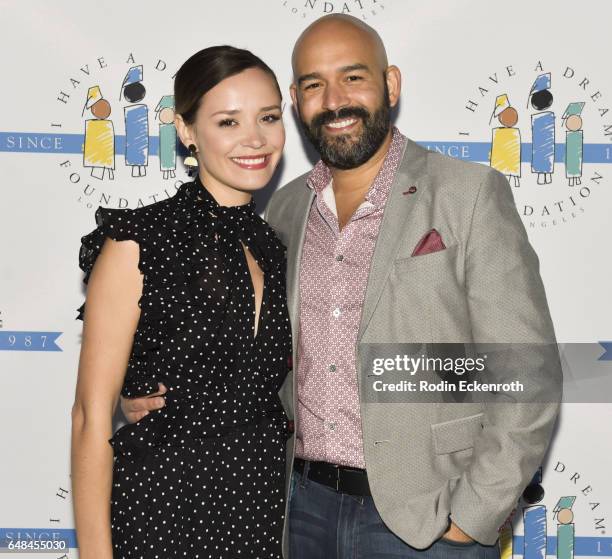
(204, 476)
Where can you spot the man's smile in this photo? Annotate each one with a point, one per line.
(341, 125)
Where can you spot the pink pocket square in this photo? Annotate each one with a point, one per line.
(430, 242)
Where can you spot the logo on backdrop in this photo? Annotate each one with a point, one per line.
(546, 128)
(549, 132)
(27, 340)
(560, 529)
(56, 537)
(119, 144)
(312, 9)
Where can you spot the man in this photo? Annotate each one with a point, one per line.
(389, 243)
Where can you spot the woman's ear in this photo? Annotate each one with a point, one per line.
(184, 131)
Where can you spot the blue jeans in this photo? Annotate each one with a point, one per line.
(324, 524)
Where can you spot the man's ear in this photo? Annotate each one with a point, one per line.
(394, 84)
(293, 93)
(184, 131)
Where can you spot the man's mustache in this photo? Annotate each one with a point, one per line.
(346, 112)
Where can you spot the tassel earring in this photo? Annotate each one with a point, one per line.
(191, 162)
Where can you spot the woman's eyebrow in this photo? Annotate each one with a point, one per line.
(226, 112)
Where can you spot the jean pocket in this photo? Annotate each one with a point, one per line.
(456, 543)
(292, 484)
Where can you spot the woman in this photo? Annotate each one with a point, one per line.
(189, 292)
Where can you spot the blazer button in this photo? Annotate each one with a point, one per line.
(290, 426)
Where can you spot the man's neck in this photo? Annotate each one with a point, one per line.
(359, 179)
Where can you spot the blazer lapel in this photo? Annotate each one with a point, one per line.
(399, 205)
(294, 255)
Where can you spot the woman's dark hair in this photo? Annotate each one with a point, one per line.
(207, 68)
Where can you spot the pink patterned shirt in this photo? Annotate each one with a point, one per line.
(333, 278)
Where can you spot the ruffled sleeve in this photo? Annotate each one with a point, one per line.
(117, 224)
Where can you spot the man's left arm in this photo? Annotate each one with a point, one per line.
(507, 306)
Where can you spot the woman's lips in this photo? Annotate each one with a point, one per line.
(252, 163)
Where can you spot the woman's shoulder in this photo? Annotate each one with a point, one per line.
(126, 223)
(145, 225)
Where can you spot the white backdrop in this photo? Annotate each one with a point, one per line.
(455, 57)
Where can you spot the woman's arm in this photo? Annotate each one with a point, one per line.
(111, 316)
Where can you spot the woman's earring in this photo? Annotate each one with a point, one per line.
(191, 162)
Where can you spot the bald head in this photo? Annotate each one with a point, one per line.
(343, 90)
(339, 30)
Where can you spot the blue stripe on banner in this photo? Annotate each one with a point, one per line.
(35, 142)
(583, 545)
(479, 151)
(21, 142)
(29, 341)
(39, 535)
(607, 354)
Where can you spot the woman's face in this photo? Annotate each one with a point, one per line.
(238, 132)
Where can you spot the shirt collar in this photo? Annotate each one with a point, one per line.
(320, 176)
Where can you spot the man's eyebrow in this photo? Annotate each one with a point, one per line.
(354, 67)
(344, 69)
(305, 77)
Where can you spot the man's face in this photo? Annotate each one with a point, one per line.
(342, 99)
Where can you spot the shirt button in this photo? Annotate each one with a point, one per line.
(339, 258)
(332, 368)
(336, 312)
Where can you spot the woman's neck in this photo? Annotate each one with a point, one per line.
(224, 194)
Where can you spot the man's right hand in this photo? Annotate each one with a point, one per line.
(134, 409)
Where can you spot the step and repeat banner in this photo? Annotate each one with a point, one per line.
(524, 87)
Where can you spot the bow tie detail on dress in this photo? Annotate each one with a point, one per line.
(237, 223)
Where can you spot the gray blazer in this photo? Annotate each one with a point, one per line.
(426, 461)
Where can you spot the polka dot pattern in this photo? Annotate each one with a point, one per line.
(204, 476)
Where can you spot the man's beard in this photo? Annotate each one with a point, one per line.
(342, 152)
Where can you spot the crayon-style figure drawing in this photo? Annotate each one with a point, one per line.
(534, 532)
(574, 142)
(506, 141)
(565, 528)
(167, 136)
(542, 130)
(506, 535)
(136, 122)
(99, 143)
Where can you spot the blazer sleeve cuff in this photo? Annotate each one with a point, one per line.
(480, 520)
